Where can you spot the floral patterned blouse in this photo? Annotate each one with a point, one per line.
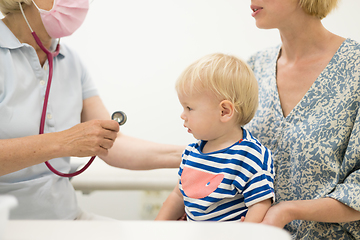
(316, 148)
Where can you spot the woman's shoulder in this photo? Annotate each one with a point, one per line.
(267, 55)
(351, 43)
(346, 60)
(269, 51)
(349, 49)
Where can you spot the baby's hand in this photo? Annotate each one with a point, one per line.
(183, 218)
(242, 219)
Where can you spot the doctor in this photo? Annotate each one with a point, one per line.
(76, 123)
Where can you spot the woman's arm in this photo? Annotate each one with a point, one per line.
(173, 207)
(19, 153)
(82, 140)
(319, 210)
(133, 153)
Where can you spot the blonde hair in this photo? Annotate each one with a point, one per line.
(11, 6)
(318, 8)
(228, 77)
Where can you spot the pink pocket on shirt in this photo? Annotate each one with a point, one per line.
(199, 184)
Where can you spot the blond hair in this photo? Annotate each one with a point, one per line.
(11, 6)
(318, 8)
(228, 77)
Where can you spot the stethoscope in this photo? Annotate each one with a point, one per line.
(118, 116)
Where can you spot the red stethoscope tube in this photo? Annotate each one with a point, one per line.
(120, 117)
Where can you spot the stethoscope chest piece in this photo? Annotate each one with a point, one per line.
(120, 117)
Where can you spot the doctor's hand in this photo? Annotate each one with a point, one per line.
(90, 138)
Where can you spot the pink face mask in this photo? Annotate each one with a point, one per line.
(64, 18)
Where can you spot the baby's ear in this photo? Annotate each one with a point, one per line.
(227, 110)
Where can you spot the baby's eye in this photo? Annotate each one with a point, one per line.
(189, 108)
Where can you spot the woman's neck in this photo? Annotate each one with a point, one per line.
(18, 26)
(307, 39)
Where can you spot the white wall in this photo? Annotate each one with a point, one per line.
(136, 49)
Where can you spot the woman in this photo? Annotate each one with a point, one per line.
(76, 124)
(308, 117)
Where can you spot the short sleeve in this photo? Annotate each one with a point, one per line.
(88, 86)
(259, 180)
(75, 67)
(260, 187)
(348, 190)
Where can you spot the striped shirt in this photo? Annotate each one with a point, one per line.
(221, 185)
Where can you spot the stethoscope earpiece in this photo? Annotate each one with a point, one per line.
(120, 117)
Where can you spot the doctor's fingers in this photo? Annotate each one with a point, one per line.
(88, 138)
(90, 145)
(107, 129)
(104, 133)
(109, 135)
(106, 144)
(110, 125)
(105, 137)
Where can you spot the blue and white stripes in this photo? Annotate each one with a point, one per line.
(219, 186)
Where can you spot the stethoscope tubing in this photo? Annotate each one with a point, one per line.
(115, 116)
(70, 175)
(50, 57)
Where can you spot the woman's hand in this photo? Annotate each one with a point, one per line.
(90, 138)
(319, 210)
